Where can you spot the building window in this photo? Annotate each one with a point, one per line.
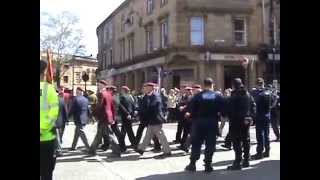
(122, 23)
(78, 77)
(131, 46)
(149, 38)
(163, 2)
(197, 31)
(240, 38)
(105, 61)
(164, 34)
(93, 79)
(105, 34)
(111, 56)
(65, 79)
(88, 71)
(122, 50)
(149, 6)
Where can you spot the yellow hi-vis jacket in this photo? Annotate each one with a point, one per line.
(49, 109)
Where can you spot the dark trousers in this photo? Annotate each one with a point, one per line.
(275, 123)
(186, 132)
(240, 136)
(203, 130)
(79, 133)
(179, 129)
(119, 135)
(262, 134)
(105, 131)
(172, 115)
(127, 129)
(140, 129)
(227, 140)
(47, 159)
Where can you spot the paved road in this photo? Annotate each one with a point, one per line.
(77, 166)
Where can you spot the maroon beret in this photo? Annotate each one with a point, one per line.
(196, 86)
(103, 82)
(125, 88)
(79, 89)
(150, 84)
(188, 88)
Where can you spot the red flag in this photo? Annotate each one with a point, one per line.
(49, 71)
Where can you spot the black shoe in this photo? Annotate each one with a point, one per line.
(115, 155)
(245, 163)
(155, 150)
(266, 154)
(164, 155)
(234, 167)
(257, 156)
(190, 167)
(226, 146)
(139, 151)
(91, 153)
(59, 154)
(104, 147)
(176, 141)
(72, 149)
(208, 168)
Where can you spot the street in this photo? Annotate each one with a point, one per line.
(75, 165)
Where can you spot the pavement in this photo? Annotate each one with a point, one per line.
(76, 165)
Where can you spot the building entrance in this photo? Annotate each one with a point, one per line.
(231, 72)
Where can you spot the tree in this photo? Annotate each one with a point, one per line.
(61, 34)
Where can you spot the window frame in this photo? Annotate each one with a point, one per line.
(65, 79)
(131, 46)
(163, 3)
(149, 40)
(149, 7)
(244, 31)
(202, 31)
(122, 50)
(164, 41)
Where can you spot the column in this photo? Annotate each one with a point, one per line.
(201, 72)
(219, 76)
(136, 85)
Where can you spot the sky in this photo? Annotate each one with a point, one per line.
(90, 12)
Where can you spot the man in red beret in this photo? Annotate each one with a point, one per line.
(105, 113)
(153, 113)
(126, 111)
(196, 88)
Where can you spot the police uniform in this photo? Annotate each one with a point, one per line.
(264, 99)
(204, 109)
(49, 109)
(241, 110)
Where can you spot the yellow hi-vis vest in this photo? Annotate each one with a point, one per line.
(49, 109)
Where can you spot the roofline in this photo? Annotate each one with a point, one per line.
(113, 14)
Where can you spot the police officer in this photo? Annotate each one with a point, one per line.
(204, 109)
(241, 110)
(49, 109)
(264, 99)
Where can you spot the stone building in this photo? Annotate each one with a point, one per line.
(73, 69)
(181, 41)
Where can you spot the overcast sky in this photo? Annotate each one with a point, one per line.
(90, 12)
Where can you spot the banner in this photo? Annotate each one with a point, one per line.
(49, 76)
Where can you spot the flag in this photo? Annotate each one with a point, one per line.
(49, 70)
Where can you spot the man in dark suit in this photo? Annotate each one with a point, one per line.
(126, 110)
(79, 110)
(143, 120)
(154, 119)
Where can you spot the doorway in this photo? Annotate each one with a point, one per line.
(176, 81)
(231, 72)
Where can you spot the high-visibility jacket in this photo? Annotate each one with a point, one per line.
(49, 110)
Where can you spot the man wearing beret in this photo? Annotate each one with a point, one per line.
(126, 110)
(79, 110)
(154, 120)
(105, 113)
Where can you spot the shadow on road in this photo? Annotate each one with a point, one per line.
(266, 170)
